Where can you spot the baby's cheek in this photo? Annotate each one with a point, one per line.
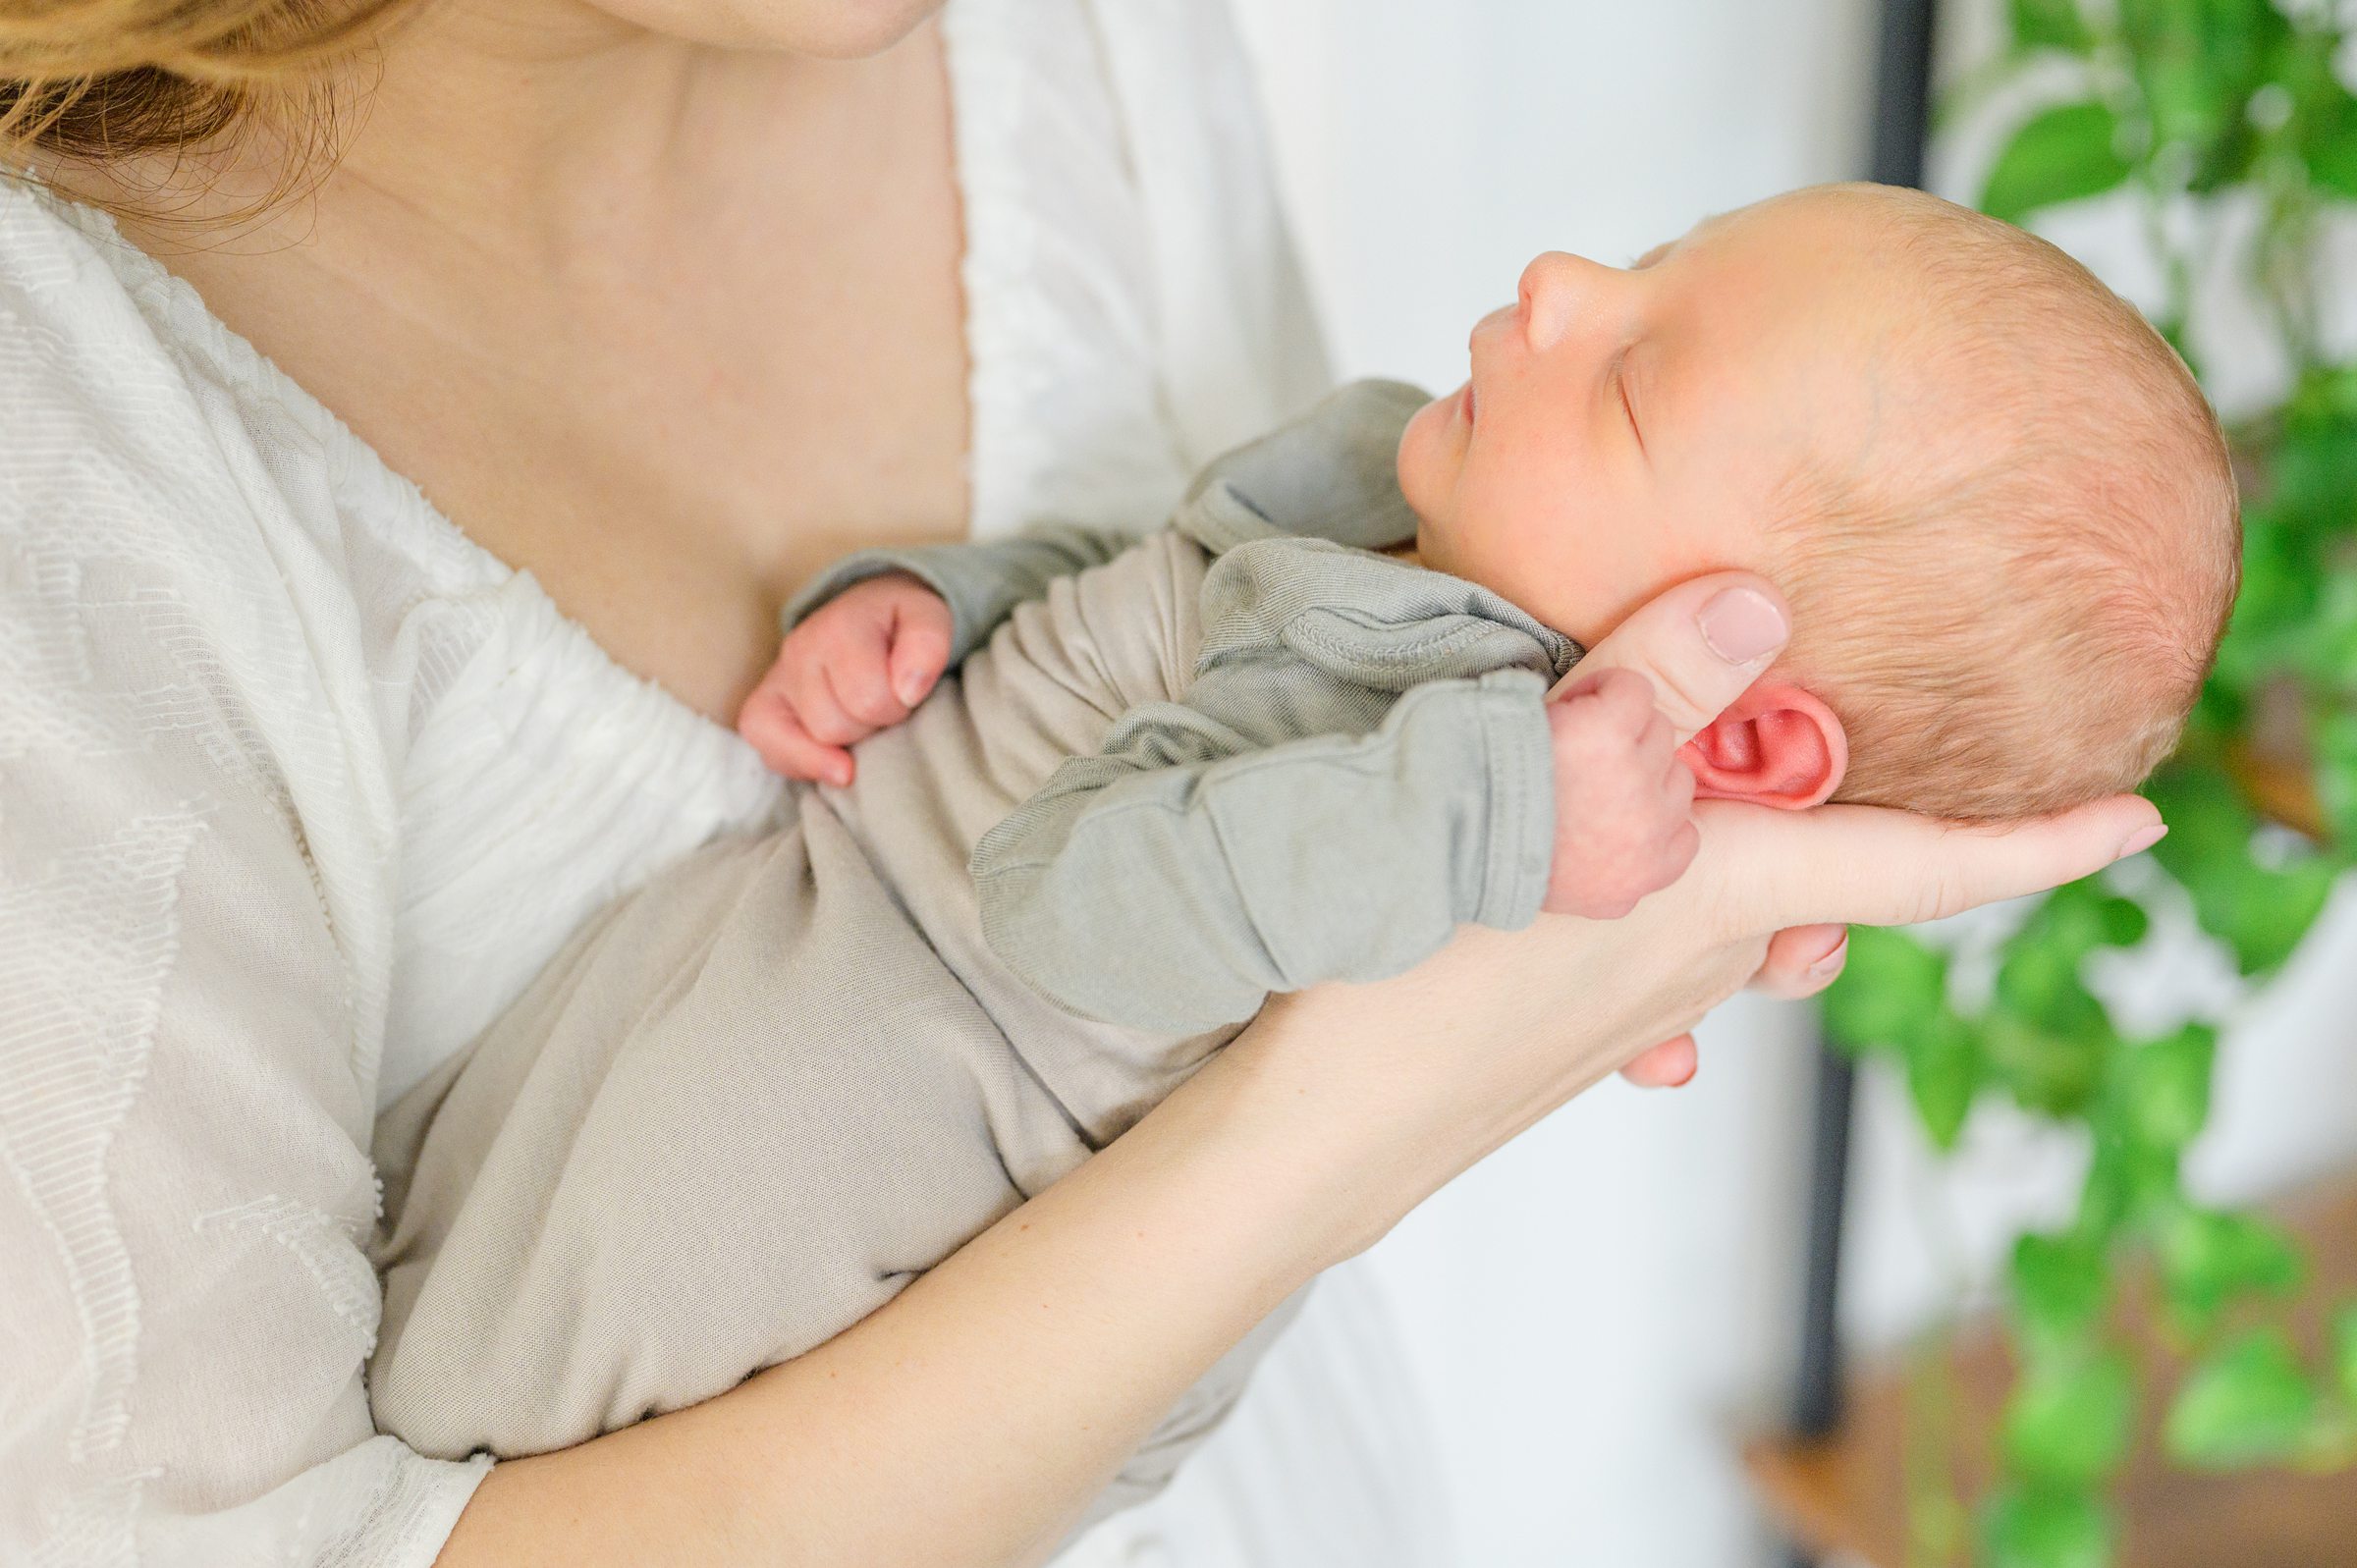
(1631, 558)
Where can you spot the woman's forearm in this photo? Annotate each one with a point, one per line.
(970, 1421)
(973, 1418)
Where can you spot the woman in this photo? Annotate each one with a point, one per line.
(664, 303)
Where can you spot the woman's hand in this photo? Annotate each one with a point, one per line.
(1745, 636)
(1400, 1085)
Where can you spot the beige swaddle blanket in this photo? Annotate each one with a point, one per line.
(755, 1098)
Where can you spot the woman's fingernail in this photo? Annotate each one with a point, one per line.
(2141, 839)
(1742, 624)
(1832, 962)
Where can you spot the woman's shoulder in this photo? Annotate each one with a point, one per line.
(1134, 301)
(147, 441)
(1244, 346)
(168, 578)
(127, 428)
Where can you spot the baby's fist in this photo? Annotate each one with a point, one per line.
(859, 663)
(1623, 801)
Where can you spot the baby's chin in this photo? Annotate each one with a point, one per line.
(1432, 452)
(1430, 548)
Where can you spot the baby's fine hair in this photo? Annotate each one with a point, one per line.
(2012, 598)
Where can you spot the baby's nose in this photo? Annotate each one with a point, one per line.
(1560, 292)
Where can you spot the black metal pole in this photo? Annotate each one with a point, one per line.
(1902, 91)
(1902, 125)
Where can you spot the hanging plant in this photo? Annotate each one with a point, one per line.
(2211, 116)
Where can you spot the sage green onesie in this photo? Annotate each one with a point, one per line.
(755, 1098)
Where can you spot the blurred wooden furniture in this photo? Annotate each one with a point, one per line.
(1842, 1495)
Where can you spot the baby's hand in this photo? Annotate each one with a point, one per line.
(859, 663)
(1623, 801)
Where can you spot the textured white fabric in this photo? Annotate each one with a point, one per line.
(299, 786)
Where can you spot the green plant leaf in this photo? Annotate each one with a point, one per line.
(2313, 463)
(2261, 912)
(2049, 25)
(2209, 1259)
(2070, 1423)
(2126, 1179)
(2247, 1402)
(2344, 1351)
(1890, 987)
(2039, 978)
(1893, 996)
(2124, 922)
(2065, 154)
(2060, 1284)
(2281, 582)
(2264, 914)
(2045, 1038)
(2324, 114)
(2333, 164)
(2183, 96)
(2167, 1086)
(2334, 741)
(2197, 63)
(2054, 1066)
(2044, 1526)
(1944, 1072)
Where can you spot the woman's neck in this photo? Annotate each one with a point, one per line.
(669, 325)
(528, 133)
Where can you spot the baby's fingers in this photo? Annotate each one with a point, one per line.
(920, 648)
(776, 731)
(861, 689)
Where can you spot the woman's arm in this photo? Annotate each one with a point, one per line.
(969, 1422)
(193, 913)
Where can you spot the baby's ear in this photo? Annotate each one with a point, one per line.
(1778, 746)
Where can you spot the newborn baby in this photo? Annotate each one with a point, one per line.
(1998, 504)
(1255, 752)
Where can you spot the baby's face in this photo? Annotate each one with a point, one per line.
(1627, 429)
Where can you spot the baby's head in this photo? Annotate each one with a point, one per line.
(1998, 504)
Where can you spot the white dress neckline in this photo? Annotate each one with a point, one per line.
(371, 490)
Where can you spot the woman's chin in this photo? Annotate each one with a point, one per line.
(824, 30)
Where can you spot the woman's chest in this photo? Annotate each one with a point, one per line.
(672, 486)
(673, 422)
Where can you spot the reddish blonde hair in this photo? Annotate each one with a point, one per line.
(101, 81)
(2012, 610)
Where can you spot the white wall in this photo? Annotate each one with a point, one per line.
(1596, 1309)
